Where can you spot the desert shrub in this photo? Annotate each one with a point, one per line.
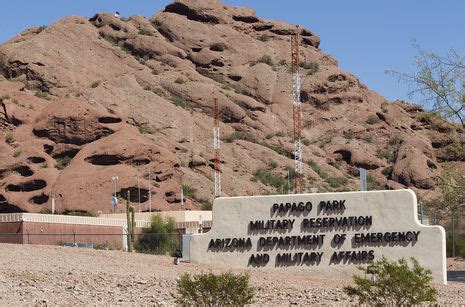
(144, 129)
(17, 153)
(373, 184)
(306, 142)
(387, 171)
(41, 28)
(63, 162)
(280, 133)
(266, 59)
(155, 72)
(314, 166)
(264, 38)
(395, 284)
(205, 204)
(311, 67)
(188, 191)
(180, 102)
(160, 237)
(145, 32)
(389, 153)
(5, 97)
(95, 84)
(208, 289)
(278, 149)
(239, 135)
(41, 94)
(79, 213)
(395, 140)
(9, 138)
(336, 182)
(272, 164)
(372, 120)
(282, 62)
(349, 134)
(278, 182)
(179, 80)
(368, 139)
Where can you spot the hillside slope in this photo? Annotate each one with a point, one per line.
(88, 99)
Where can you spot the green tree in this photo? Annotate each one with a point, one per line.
(160, 237)
(440, 80)
(208, 289)
(395, 284)
(452, 202)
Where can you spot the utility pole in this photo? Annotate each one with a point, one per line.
(150, 191)
(297, 111)
(216, 147)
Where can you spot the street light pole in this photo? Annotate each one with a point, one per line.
(114, 179)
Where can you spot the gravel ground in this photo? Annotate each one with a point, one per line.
(33, 274)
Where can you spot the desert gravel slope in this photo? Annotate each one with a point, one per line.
(62, 275)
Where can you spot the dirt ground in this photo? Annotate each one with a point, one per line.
(33, 274)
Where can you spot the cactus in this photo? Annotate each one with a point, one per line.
(130, 222)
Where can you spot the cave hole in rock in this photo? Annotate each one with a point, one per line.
(169, 193)
(16, 122)
(2, 198)
(262, 27)
(3, 173)
(345, 154)
(9, 208)
(39, 199)
(36, 160)
(381, 116)
(27, 186)
(217, 47)
(246, 19)
(134, 196)
(282, 31)
(23, 170)
(115, 27)
(196, 49)
(441, 143)
(431, 164)
(305, 32)
(304, 97)
(182, 9)
(337, 77)
(235, 77)
(217, 63)
(142, 161)
(104, 159)
(70, 153)
(109, 120)
(48, 149)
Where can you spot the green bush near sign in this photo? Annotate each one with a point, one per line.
(160, 237)
(395, 283)
(208, 289)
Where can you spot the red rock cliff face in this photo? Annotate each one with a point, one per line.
(88, 99)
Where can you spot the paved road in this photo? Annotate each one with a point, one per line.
(456, 276)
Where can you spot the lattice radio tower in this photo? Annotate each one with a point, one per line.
(297, 111)
(216, 147)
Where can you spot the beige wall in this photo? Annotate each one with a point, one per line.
(391, 212)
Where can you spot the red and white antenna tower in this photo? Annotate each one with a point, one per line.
(298, 166)
(216, 147)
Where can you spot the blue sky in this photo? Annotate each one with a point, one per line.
(365, 36)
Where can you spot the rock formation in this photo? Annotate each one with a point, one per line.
(89, 99)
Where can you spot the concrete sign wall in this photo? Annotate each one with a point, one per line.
(327, 234)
